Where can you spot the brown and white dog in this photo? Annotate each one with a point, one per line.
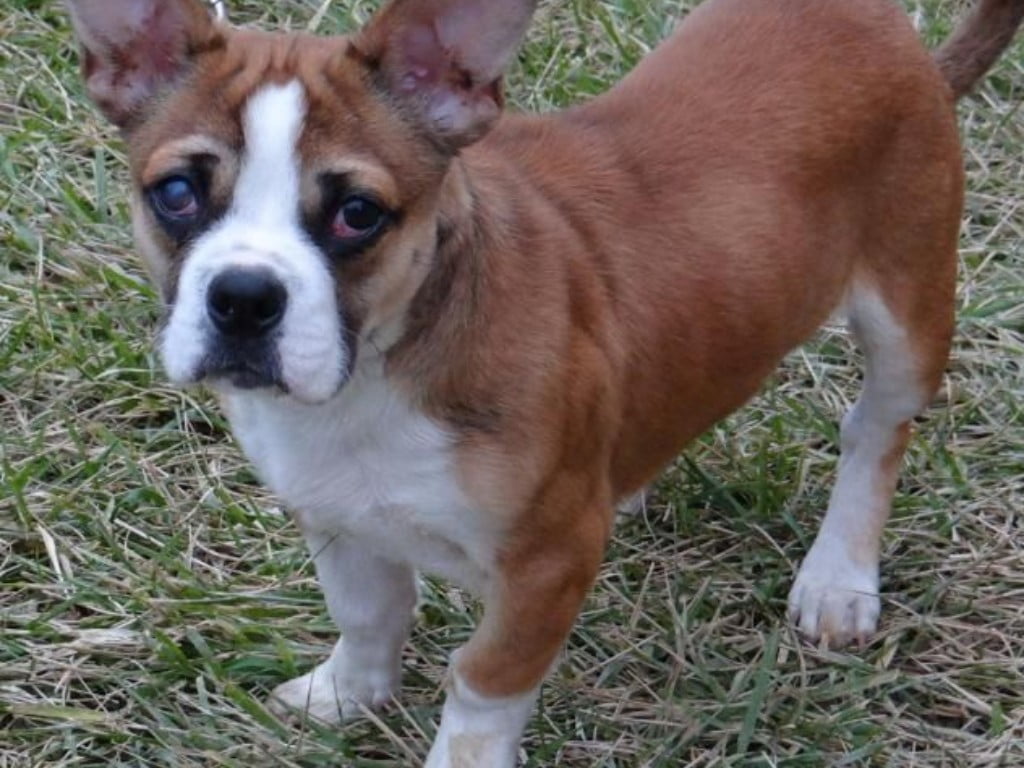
(453, 340)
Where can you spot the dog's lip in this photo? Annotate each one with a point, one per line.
(242, 376)
(259, 373)
(247, 378)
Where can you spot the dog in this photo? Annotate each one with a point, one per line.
(453, 339)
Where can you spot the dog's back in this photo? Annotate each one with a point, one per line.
(782, 149)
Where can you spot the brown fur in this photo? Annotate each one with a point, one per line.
(580, 294)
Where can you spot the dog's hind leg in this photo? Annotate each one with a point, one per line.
(905, 339)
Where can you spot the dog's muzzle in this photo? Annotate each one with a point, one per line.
(245, 307)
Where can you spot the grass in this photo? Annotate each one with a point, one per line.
(151, 592)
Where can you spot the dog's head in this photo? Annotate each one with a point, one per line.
(286, 188)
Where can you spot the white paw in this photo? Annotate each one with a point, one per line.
(479, 732)
(331, 696)
(632, 505)
(472, 750)
(834, 599)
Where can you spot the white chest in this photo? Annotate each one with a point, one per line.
(367, 465)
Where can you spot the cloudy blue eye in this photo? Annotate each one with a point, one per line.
(175, 199)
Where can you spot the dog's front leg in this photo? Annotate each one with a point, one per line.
(371, 600)
(543, 577)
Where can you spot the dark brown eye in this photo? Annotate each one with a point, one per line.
(357, 217)
(176, 199)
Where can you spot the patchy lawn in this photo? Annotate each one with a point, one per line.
(151, 593)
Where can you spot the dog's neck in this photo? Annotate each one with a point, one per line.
(476, 217)
(440, 311)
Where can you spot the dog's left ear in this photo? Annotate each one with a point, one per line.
(444, 59)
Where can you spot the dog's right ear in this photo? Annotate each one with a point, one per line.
(131, 49)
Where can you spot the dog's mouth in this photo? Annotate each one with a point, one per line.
(267, 365)
(244, 377)
(242, 369)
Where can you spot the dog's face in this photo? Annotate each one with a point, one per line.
(288, 189)
(286, 211)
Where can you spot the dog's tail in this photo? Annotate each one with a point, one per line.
(979, 40)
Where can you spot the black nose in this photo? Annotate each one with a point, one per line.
(245, 303)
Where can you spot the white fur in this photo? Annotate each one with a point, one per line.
(835, 594)
(369, 465)
(371, 600)
(262, 229)
(477, 731)
(372, 484)
(634, 504)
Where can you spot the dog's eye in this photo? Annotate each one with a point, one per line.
(357, 217)
(175, 198)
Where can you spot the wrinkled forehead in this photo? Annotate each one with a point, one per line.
(300, 96)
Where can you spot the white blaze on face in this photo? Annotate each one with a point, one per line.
(262, 229)
(267, 191)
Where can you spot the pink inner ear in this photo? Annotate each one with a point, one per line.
(164, 39)
(154, 44)
(133, 47)
(444, 58)
(424, 60)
